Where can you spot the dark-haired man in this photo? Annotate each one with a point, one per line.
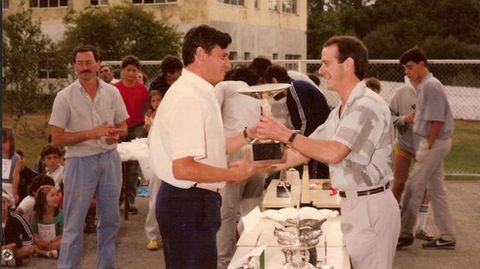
(88, 117)
(433, 123)
(171, 67)
(188, 153)
(135, 95)
(106, 74)
(356, 143)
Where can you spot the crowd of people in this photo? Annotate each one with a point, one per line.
(199, 130)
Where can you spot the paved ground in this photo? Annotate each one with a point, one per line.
(464, 200)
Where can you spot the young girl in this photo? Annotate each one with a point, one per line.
(47, 222)
(154, 99)
(25, 208)
(11, 165)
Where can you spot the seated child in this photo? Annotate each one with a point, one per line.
(51, 157)
(25, 208)
(47, 222)
(17, 235)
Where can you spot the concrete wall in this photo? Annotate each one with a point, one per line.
(257, 31)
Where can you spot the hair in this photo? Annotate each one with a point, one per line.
(86, 48)
(242, 73)
(415, 55)
(351, 47)
(170, 64)
(260, 65)
(278, 72)
(7, 135)
(38, 181)
(315, 79)
(41, 201)
(374, 84)
(49, 150)
(205, 37)
(144, 76)
(107, 66)
(130, 60)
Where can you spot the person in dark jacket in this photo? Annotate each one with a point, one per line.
(307, 107)
(171, 67)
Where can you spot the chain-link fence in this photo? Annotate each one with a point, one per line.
(460, 77)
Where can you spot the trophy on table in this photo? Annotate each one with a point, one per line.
(266, 150)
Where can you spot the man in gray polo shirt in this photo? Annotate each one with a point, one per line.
(88, 117)
(433, 122)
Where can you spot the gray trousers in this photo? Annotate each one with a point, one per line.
(236, 197)
(428, 174)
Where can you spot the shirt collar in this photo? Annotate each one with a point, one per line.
(100, 85)
(425, 78)
(198, 81)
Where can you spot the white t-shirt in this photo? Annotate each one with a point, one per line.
(57, 175)
(27, 207)
(188, 123)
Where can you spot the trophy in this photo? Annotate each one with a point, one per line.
(266, 150)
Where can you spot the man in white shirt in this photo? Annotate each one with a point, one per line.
(188, 153)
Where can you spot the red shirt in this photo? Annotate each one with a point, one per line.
(135, 99)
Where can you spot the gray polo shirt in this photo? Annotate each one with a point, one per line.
(432, 105)
(74, 111)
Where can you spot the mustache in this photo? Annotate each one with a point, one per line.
(86, 71)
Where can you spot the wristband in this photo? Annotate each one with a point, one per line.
(245, 135)
(291, 139)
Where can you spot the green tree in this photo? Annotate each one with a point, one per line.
(120, 30)
(23, 45)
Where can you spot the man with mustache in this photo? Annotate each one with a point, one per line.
(88, 117)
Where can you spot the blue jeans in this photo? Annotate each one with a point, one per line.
(188, 220)
(98, 175)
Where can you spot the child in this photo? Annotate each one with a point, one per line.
(154, 99)
(51, 157)
(10, 165)
(26, 176)
(16, 234)
(25, 208)
(47, 222)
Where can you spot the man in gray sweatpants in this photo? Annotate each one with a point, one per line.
(433, 122)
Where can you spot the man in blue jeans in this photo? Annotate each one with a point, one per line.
(88, 117)
(188, 153)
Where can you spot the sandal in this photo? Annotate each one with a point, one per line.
(53, 254)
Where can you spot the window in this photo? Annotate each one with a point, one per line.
(246, 55)
(98, 2)
(5, 4)
(289, 6)
(233, 55)
(275, 56)
(48, 3)
(292, 66)
(256, 4)
(233, 2)
(273, 5)
(153, 1)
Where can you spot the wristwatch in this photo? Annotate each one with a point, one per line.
(291, 139)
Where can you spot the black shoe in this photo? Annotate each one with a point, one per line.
(439, 243)
(132, 210)
(405, 241)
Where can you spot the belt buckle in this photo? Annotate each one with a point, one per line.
(351, 194)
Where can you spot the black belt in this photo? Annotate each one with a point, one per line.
(366, 192)
(196, 185)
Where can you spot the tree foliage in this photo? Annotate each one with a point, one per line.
(444, 28)
(120, 30)
(23, 46)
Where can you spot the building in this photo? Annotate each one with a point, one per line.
(275, 29)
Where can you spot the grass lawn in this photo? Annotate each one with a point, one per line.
(462, 159)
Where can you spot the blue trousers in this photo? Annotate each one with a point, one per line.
(188, 220)
(98, 175)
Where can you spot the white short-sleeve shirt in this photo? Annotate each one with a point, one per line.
(364, 127)
(188, 123)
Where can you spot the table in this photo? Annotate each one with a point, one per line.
(262, 234)
(304, 194)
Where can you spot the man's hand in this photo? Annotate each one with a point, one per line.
(113, 136)
(245, 168)
(270, 128)
(409, 117)
(100, 131)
